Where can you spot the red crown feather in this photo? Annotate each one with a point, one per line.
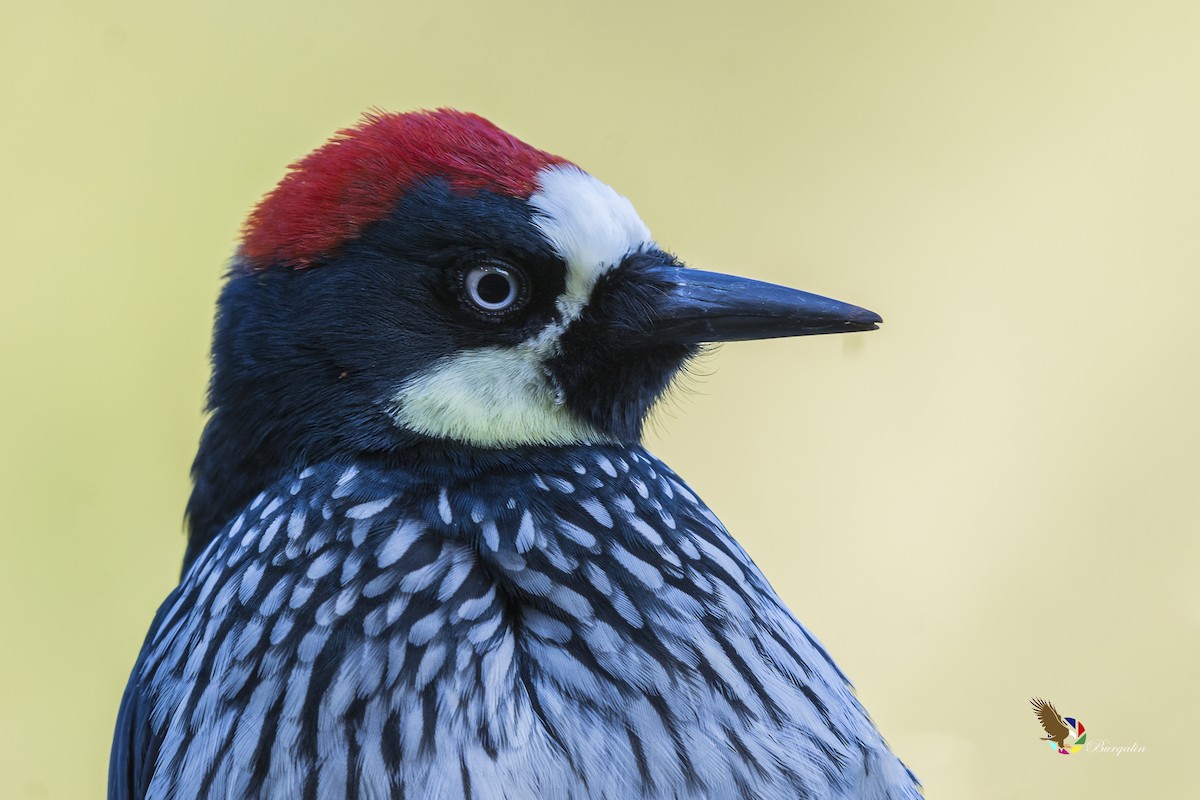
(329, 196)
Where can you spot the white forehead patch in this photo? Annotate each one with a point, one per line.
(590, 227)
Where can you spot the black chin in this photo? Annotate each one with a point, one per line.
(610, 380)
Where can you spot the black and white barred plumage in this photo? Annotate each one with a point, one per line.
(585, 628)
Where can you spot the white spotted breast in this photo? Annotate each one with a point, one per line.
(583, 628)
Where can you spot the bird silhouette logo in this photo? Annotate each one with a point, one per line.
(1065, 734)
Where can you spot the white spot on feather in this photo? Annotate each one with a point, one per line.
(295, 525)
(491, 536)
(398, 543)
(526, 534)
(250, 578)
(598, 512)
(424, 629)
(322, 565)
(642, 527)
(645, 572)
(471, 609)
(369, 509)
(431, 662)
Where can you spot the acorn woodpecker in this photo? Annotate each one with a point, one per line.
(428, 557)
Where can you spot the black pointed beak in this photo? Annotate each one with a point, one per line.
(698, 307)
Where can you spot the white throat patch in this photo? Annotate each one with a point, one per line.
(502, 396)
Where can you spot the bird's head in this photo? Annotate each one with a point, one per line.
(427, 277)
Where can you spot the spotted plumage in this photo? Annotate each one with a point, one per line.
(429, 559)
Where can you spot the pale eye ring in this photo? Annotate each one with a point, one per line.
(493, 288)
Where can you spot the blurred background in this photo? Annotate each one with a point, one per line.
(993, 497)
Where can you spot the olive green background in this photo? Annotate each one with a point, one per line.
(994, 496)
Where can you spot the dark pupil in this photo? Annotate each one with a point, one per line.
(493, 288)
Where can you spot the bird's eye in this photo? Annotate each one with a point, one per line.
(494, 288)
